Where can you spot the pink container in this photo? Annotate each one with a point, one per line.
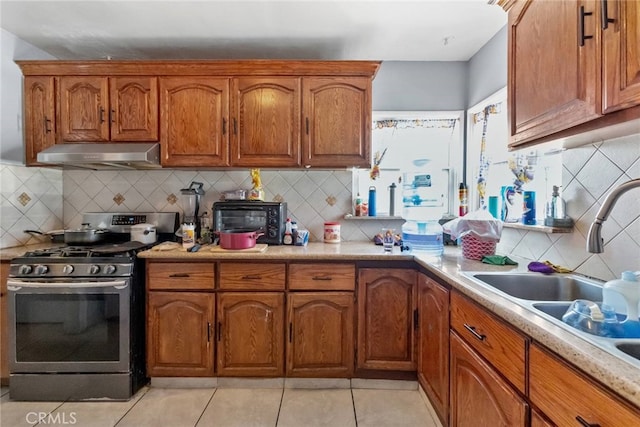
(474, 248)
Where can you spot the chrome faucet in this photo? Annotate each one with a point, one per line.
(595, 244)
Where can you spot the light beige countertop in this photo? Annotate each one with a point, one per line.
(620, 375)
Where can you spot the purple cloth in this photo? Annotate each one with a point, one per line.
(540, 267)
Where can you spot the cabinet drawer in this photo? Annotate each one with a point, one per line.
(316, 276)
(252, 276)
(491, 337)
(566, 396)
(180, 276)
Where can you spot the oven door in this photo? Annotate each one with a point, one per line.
(240, 217)
(75, 327)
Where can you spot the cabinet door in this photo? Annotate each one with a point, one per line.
(320, 340)
(265, 121)
(83, 109)
(251, 334)
(193, 114)
(337, 121)
(621, 54)
(134, 108)
(179, 334)
(479, 396)
(39, 116)
(568, 397)
(4, 332)
(433, 343)
(386, 313)
(554, 74)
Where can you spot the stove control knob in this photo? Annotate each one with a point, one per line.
(41, 269)
(67, 269)
(94, 269)
(25, 269)
(110, 269)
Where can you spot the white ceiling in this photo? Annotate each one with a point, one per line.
(419, 30)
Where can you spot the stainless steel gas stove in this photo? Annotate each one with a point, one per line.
(76, 315)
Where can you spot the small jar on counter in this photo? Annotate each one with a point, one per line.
(332, 232)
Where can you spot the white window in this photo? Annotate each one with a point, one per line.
(411, 147)
(541, 168)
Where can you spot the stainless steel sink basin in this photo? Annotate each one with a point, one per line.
(554, 310)
(538, 287)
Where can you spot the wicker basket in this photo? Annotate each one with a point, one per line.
(475, 248)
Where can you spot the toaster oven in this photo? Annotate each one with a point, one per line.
(265, 217)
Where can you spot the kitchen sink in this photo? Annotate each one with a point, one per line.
(538, 287)
(554, 310)
(549, 296)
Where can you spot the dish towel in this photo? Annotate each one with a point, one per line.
(547, 267)
(498, 260)
(558, 268)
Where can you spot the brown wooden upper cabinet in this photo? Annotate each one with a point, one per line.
(39, 116)
(101, 109)
(194, 113)
(337, 121)
(573, 66)
(253, 113)
(265, 121)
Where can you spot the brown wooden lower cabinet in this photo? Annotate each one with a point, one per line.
(320, 334)
(4, 349)
(386, 319)
(433, 344)
(250, 334)
(568, 397)
(479, 396)
(179, 334)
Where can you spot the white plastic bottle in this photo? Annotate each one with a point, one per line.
(623, 295)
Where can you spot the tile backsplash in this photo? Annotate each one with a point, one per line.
(312, 197)
(46, 199)
(589, 173)
(31, 200)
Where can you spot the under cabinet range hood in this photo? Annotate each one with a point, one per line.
(131, 155)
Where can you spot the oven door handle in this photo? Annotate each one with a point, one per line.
(15, 285)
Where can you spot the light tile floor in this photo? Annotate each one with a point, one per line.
(227, 407)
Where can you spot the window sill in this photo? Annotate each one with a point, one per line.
(539, 228)
(351, 217)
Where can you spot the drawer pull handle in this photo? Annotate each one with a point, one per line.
(321, 278)
(179, 275)
(472, 329)
(605, 15)
(252, 277)
(584, 423)
(581, 36)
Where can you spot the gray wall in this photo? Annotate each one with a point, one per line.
(417, 86)
(11, 145)
(488, 68)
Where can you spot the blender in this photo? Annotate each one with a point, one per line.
(191, 205)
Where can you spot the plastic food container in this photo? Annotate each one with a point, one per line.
(332, 232)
